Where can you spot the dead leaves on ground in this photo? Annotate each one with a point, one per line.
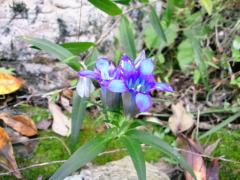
(23, 125)
(61, 123)
(9, 83)
(182, 125)
(20, 123)
(7, 159)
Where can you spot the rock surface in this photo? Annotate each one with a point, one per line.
(56, 20)
(118, 170)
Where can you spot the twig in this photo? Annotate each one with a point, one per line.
(34, 165)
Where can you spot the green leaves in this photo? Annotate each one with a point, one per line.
(127, 37)
(155, 22)
(152, 140)
(208, 5)
(57, 51)
(83, 155)
(135, 151)
(107, 6)
(198, 57)
(78, 114)
(77, 47)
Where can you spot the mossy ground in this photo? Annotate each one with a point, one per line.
(48, 150)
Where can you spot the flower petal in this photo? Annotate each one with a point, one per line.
(84, 87)
(163, 87)
(117, 86)
(126, 64)
(143, 101)
(146, 67)
(139, 59)
(87, 73)
(102, 64)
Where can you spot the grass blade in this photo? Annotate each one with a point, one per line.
(155, 22)
(83, 155)
(199, 61)
(221, 125)
(137, 156)
(152, 140)
(127, 37)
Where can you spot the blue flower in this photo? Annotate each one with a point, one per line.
(104, 72)
(137, 78)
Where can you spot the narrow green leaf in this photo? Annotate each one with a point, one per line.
(77, 47)
(155, 22)
(107, 6)
(208, 5)
(124, 2)
(55, 50)
(90, 61)
(199, 61)
(137, 156)
(220, 126)
(127, 37)
(152, 140)
(78, 114)
(83, 155)
(168, 14)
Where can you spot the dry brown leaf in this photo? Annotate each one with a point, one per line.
(20, 123)
(65, 102)
(68, 93)
(7, 159)
(192, 154)
(180, 121)
(61, 123)
(9, 83)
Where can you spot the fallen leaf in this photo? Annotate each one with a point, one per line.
(44, 124)
(20, 123)
(7, 159)
(68, 93)
(65, 102)
(192, 151)
(61, 123)
(180, 121)
(9, 83)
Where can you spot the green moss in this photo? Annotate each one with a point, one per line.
(36, 113)
(229, 147)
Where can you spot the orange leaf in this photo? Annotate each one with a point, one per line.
(21, 123)
(7, 159)
(9, 83)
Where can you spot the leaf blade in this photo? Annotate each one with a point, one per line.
(127, 38)
(77, 47)
(107, 6)
(165, 148)
(137, 156)
(208, 5)
(83, 155)
(54, 49)
(155, 22)
(78, 114)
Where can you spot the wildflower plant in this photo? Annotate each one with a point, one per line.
(132, 81)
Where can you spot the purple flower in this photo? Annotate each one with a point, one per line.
(138, 80)
(104, 72)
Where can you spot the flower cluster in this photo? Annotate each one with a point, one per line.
(134, 77)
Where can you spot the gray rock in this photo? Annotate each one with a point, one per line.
(118, 170)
